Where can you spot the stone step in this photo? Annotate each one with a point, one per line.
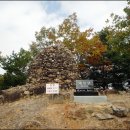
(90, 99)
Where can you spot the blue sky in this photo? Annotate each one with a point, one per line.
(19, 20)
(52, 6)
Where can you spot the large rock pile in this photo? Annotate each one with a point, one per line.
(55, 64)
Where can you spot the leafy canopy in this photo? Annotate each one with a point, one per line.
(15, 66)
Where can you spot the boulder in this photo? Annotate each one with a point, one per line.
(120, 111)
(12, 94)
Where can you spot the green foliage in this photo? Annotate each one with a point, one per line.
(1, 82)
(14, 80)
(66, 33)
(15, 66)
(69, 34)
(44, 38)
(117, 38)
(34, 49)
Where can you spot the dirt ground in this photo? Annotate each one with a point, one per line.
(43, 112)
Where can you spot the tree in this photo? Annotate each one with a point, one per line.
(86, 50)
(117, 39)
(15, 66)
(46, 37)
(33, 48)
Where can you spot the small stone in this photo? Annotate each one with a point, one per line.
(39, 71)
(68, 81)
(26, 92)
(102, 116)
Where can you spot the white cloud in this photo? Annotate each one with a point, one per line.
(19, 21)
(93, 13)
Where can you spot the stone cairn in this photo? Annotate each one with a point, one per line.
(55, 64)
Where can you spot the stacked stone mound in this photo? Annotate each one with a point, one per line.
(55, 64)
(15, 93)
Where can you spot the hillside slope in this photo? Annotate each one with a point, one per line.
(43, 112)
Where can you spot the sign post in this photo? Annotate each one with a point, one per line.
(52, 88)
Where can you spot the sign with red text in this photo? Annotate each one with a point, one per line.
(52, 88)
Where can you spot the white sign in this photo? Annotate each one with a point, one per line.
(52, 88)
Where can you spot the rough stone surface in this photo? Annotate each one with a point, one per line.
(120, 111)
(15, 93)
(54, 64)
(11, 94)
(102, 116)
(26, 92)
